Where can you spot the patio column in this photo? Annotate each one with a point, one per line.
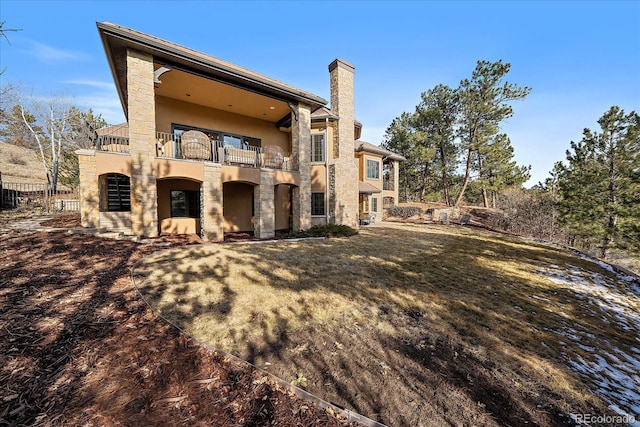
(301, 145)
(265, 212)
(211, 220)
(142, 143)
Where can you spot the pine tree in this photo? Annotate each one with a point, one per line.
(600, 185)
(483, 107)
(436, 117)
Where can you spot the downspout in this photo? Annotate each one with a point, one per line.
(326, 170)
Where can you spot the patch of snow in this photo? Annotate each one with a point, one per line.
(611, 370)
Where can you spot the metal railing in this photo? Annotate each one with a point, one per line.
(116, 141)
(38, 197)
(388, 185)
(171, 146)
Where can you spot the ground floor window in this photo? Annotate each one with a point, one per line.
(374, 204)
(118, 193)
(317, 204)
(185, 203)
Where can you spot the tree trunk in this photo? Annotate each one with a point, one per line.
(485, 201)
(465, 182)
(445, 181)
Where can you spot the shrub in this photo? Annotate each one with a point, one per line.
(326, 230)
(404, 211)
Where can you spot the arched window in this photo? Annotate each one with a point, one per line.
(115, 190)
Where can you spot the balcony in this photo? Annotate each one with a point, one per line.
(388, 185)
(184, 147)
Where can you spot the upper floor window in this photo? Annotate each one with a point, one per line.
(317, 147)
(373, 169)
(229, 139)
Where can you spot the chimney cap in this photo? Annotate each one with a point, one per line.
(342, 64)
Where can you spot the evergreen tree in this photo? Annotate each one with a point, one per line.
(399, 138)
(600, 185)
(483, 107)
(497, 170)
(436, 117)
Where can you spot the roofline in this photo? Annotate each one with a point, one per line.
(206, 65)
(370, 148)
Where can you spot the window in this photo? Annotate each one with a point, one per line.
(230, 139)
(317, 147)
(185, 203)
(374, 204)
(373, 169)
(317, 204)
(118, 193)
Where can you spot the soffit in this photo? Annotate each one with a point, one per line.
(188, 87)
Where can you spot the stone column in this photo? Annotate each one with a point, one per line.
(301, 147)
(212, 221)
(265, 212)
(344, 196)
(396, 182)
(89, 189)
(142, 135)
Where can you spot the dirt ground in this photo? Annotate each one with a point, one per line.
(79, 347)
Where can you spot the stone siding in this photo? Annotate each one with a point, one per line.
(345, 169)
(142, 131)
(89, 189)
(212, 223)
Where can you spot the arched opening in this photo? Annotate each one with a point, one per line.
(283, 202)
(179, 206)
(115, 192)
(238, 208)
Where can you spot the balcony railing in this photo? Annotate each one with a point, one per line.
(388, 185)
(172, 146)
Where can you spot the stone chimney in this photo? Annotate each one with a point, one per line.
(343, 171)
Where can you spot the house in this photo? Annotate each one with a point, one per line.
(210, 147)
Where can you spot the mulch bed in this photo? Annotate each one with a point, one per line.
(78, 346)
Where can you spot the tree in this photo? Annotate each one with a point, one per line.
(399, 138)
(483, 107)
(497, 170)
(600, 185)
(436, 117)
(55, 129)
(3, 34)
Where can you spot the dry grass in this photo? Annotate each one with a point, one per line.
(404, 308)
(19, 164)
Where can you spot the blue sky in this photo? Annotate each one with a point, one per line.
(579, 58)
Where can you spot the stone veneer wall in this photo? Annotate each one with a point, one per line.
(301, 147)
(344, 195)
(265, 212)
(212, 219)
(142, 131)
(89, 190)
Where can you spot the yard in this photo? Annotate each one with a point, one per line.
(416, 325)
(79, 347)
(408, 325)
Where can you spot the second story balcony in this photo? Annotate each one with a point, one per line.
(196, 146)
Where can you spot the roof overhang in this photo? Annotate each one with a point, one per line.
(366, 188)
(117, 40)
(362, 146)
